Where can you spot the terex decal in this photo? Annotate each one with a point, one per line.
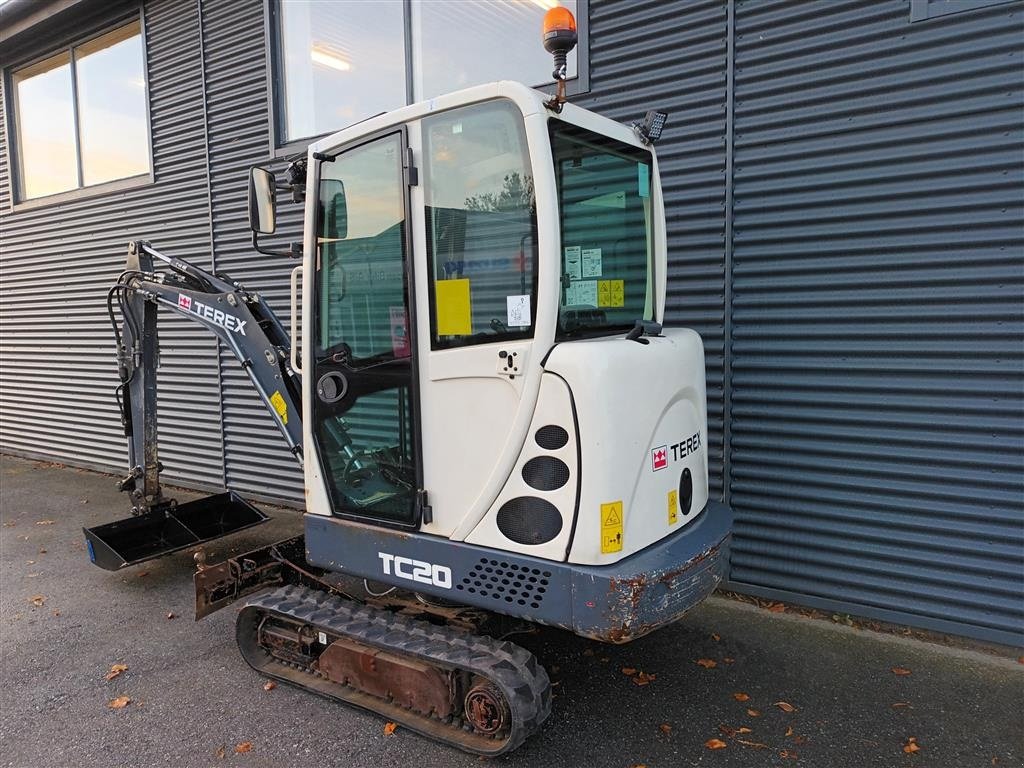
(679, 451)
(417, 570)
(216, 316)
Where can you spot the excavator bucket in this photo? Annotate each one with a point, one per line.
(154, 534)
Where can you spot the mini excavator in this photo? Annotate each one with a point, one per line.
(493, 423)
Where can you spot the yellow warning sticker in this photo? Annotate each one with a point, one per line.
(611, 293)
(280, 406)
(611, 527)
(454, 313)
(673, 507)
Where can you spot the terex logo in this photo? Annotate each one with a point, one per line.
(659, 457)
(215, 316)
(417, 570)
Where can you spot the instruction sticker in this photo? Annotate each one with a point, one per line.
(611, 293)
(518, 309)
(454, 317)
(611, 527)
(573, 262)
(583, 292)
(591, 262)
(280, 406)
(673, 507)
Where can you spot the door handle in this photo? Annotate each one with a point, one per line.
(296, 328)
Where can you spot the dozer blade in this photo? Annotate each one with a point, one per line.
(136, 539)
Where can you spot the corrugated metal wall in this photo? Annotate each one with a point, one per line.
(58, 371)
(877, 452)
(844, 214)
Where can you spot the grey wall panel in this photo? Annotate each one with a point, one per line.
(257, 459)
(57, 369)
(672, 56)
(878, 371)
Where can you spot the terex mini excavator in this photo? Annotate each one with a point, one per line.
(493, 424)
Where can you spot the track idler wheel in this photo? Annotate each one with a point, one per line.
(486, 709)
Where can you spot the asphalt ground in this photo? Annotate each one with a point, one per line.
(193, 696)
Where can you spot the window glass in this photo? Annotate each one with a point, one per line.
(604, 204)
(362, 249)
(342, 62)
(112, 106)
(47, 162)
(460, 43)
(481, 225)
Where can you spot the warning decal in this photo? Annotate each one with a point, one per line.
(280, 406)
(611, 527)
(673, 507)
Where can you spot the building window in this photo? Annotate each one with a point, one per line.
(80, 115)
(339, 63)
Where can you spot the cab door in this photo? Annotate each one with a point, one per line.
(364, 391)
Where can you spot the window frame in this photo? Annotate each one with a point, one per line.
(281, 146)
(11, 121)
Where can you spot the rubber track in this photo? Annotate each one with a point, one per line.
(515, 671)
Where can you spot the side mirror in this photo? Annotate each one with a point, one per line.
(262, 201)
(335, 209)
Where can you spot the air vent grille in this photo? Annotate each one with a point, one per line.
(551, 437)
(529, 520)
(545, 473)
(507, 583)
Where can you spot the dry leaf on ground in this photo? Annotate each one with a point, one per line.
(754, 744)
(754, 712)
(900, 671)
(389, 728)
(115, 670)
(642, 678)
(44, 522)
(241, 749)
(777, 608)
(219, 754)
(787, 754)
(911, 746)
(269, 685)
(728, 660)
(37, 600)
(789, 731)
(715, 636)
(665, 728)
(902, 704)
(630, 671)
(715, 744)
(120, 702)
(785, 706)
(707, 663)
(741, 697)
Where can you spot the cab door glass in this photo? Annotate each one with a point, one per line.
(481, 220)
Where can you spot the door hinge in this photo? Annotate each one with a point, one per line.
(426, 512)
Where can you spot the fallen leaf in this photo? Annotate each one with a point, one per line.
(30, 562)
(643, 678)
(789, 731)
(219, 754)
(785, 706)
(42, 550)
(120, 702)
(115, 670)
(269, 685)
(638, 765)
(787, 755)
(753, 713)
(628, 671)
(741, 697)
(245, 746)
(727, 731)
(777, 608)
(707, 663)
(37, 600)
(715, 744)
(389, 728)
(170, 614)
(665, 728)
(754, 744)
(900, 671)
(911, 746)
(900, 704)
(715, 636)
(143, 574)
(744, 729)
(44, 522)
(10, 524)
(728, 660)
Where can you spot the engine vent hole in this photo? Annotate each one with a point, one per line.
(545, 473)
(551, 437)
(529, 520)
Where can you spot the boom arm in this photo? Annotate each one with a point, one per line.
(238, 317)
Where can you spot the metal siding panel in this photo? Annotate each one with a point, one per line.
(877, 431)
(57, 369)
(672, 56)
(256, 458)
